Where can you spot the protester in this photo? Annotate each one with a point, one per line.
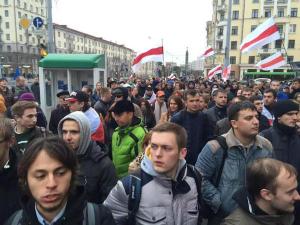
(48, 174)
(263, 121)
(103, 104)
(6, 93)
(35, 89)
(175, 104)
(159, 106)
(269, 100)
(148, 114)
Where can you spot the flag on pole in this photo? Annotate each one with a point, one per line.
(264, 34)
(152, 55)
(272, 62)
(226, 72)
(208, 52)
(172, 76)
(214, 71)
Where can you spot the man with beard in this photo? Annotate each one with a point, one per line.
(48, 174)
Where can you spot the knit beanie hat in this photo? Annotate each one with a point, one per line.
(27, 96)
(284, 106)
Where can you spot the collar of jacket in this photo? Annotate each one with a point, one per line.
(232, 140)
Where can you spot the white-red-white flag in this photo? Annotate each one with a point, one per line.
(264, 34)
(172, 76)
(226, 72)
(208, 52)
(152, 55)
(272, 62)
(214, 71)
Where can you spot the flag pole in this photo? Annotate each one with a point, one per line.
(163, 62)
(287, 56)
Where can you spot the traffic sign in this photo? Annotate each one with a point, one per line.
(25, 23)
(37, 22)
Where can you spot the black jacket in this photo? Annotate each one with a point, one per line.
(73, 215)
(102, 107)
(215, 114)
(56, 115)
(286, 145)
(98, 172)
(198, 131)
(9, 191)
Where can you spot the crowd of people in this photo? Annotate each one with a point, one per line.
(152, 151)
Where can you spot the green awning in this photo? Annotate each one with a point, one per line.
(271, 73)
(73, 61)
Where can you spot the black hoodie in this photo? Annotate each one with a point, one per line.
(73, 215)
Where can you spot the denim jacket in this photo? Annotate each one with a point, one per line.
(233, 175)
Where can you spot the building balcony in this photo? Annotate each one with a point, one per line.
(221, 8)
(282, 2)
(269, 2)
(266, 51)
(222, 23)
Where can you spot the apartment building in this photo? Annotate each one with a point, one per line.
(19, 47)
(246, 15)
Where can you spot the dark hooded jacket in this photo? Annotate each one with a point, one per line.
(56, 115)
(9, 191)
(74, 213)
(248, 213)
(97, 171)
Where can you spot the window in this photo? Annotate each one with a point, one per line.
(255, 1)
(6, 13)
(31, 8)
(280, 12)
(292, 28)
(220, 32)
(64, 35)
(36, 10)
(290, 58)
(278, 43)
(21, 37)
(236, 2)
(33, 40)
(8, 48)
(7, 25)
(18, 3)
(5, 2)
(42, 12)
(254, 13)
(58, 34)
(25, 5)
(222, 16)
(232, 60)
(291, 44)
(65, 44)
(294, 12)
(21, 49)
(253, 27)
(280, 28)
(251, 60)
(59, 44)
(268, 13)
(265, 46)
(19, 14)
(219, 45)
(234, 30)
(235, 15)
(233, 45)
(8, 37)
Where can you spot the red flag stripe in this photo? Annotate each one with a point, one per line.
(153, 51)
(272, 62)
(208, 51)
(263, 35)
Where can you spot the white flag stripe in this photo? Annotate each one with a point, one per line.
(272, 62)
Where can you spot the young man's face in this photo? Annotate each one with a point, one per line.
(289, 119)
(221, 99)
(193, 103)
(75, 106)
(247, 124)
(247, 94)
(165, 154)
(283, 200)
(269, 98)
(49, 183)
(62, 100)
(275, 85)
(124, 119)
(71, 133)
(28, 119)
(259, 105)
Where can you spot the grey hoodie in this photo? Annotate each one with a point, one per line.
(85, 130)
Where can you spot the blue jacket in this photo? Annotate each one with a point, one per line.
(233, 175)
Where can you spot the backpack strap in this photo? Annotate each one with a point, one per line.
(198, 180)
(17, 217)
(136, 140)
(91, 214)
(222, 142)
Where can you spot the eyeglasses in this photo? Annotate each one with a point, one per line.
(118, 96)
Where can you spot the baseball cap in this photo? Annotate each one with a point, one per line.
(79, 96)
(62, 92)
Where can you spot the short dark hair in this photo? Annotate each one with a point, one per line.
(57, 149)
(122, 106)
(233, 111)
(269, 90)
(20, 106)
(179, 131)
(220, 90)
(191, 92)
(88, 88)
(262, 173)
(255, 98)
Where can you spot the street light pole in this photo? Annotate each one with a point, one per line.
(226, 58)
(50, 27)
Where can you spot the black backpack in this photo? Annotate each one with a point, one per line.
(133, 185)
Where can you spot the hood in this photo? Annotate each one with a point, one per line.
(147, 165)
(246, 202)
(85, 130)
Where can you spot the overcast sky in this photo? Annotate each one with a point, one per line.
(141, 24)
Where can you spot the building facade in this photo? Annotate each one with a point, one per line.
(20, 45)
(246, 15)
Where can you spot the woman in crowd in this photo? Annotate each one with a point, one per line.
(175, 104)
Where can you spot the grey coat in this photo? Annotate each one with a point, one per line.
(160, 204)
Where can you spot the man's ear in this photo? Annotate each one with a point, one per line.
(183, 153)
(266, 194)
(233, 124)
